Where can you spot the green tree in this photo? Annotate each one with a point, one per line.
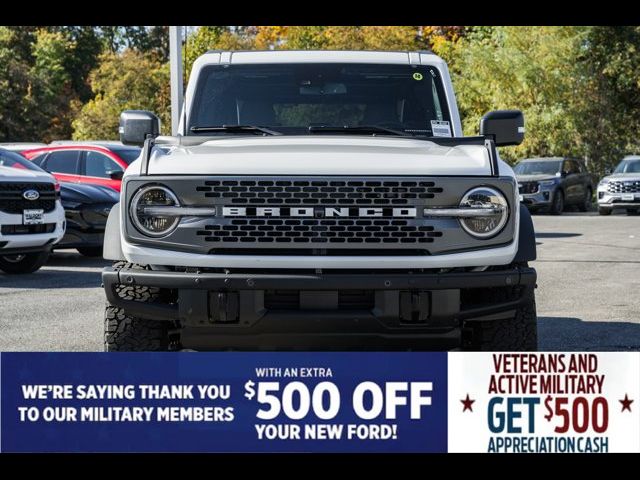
(609, 64)
(54, 91)
(123, 81)
(533, 69)
(19, 115)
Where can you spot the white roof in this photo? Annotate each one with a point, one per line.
(319, 56)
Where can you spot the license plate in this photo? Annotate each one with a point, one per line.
(32, 217)
(628, 197)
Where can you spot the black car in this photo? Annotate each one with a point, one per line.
(551, 184)
(86, 209)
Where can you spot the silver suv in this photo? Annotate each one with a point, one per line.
(621, 189)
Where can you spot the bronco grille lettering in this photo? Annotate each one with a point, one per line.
(324, 212)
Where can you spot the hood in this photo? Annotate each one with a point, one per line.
(318, 155)
(535, 178)
(84, 193)
(10, 174)
(623, 177)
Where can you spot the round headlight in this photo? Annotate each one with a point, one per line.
(494, 216)
(151, 223)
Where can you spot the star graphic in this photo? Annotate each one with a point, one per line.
(467, 402)
(626, 403)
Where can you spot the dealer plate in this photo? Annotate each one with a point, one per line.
(628, 197)
(32, 217)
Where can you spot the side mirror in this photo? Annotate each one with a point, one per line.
(115, 174)
(564, 173)
(506, 127)
(137, 125)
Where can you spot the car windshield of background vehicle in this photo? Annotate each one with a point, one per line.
(291, 98)
(628, 166)
(538, 168)
(15, 160)
(127, 154)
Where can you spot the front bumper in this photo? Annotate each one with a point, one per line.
(540, 199)
(30, 242)
(618, 200)
(307, 311)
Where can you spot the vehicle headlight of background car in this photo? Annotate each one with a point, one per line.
(545, 184)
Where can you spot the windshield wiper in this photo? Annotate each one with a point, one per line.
(358, 130)
(234, 129)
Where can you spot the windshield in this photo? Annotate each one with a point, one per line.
(15, 160)
(538, 168)
(631, 165)
(127, 154)
(290, 98)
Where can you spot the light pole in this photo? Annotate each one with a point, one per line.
(175, 65)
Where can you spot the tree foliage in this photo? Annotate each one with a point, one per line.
(116, 86)
(579, 87)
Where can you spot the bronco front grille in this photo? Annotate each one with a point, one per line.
(319, 215)
(12, 201)
(327, 230)
(624, 187)
(314, 192)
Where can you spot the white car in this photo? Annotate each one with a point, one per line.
(31, 215)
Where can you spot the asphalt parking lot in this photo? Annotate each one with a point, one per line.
(588, 284)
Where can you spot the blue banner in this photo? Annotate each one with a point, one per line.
(223, 402)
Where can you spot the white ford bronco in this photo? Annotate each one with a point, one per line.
(31, 215)
(320, 200)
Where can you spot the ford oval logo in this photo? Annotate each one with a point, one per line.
(31, 195)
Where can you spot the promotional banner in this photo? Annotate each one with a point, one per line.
(224, 402)
(544, 402)
(320, 402)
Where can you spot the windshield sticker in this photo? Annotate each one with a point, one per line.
(417, 76)
(440, 128)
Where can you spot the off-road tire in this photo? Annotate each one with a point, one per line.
(28, 264)
(585, 206)
(517, 334)
(124, 333)
(557, 205)
(604, 211)
(90, 251)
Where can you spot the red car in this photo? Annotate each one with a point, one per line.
(98, 164)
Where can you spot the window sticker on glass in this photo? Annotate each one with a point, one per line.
(440, 128)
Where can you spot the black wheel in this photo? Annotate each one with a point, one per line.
(557, 206)
(585, 206)
(516, 334)
(604, 211)
(124, 333)
(90, 251)
(632, 211)
(23, 262)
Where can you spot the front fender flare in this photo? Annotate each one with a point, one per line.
(526, 238)
(112, 249)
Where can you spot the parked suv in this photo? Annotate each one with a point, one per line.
(551, 184)
(320, 200)
(31, 216)
(621, 189)
(98, 164)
